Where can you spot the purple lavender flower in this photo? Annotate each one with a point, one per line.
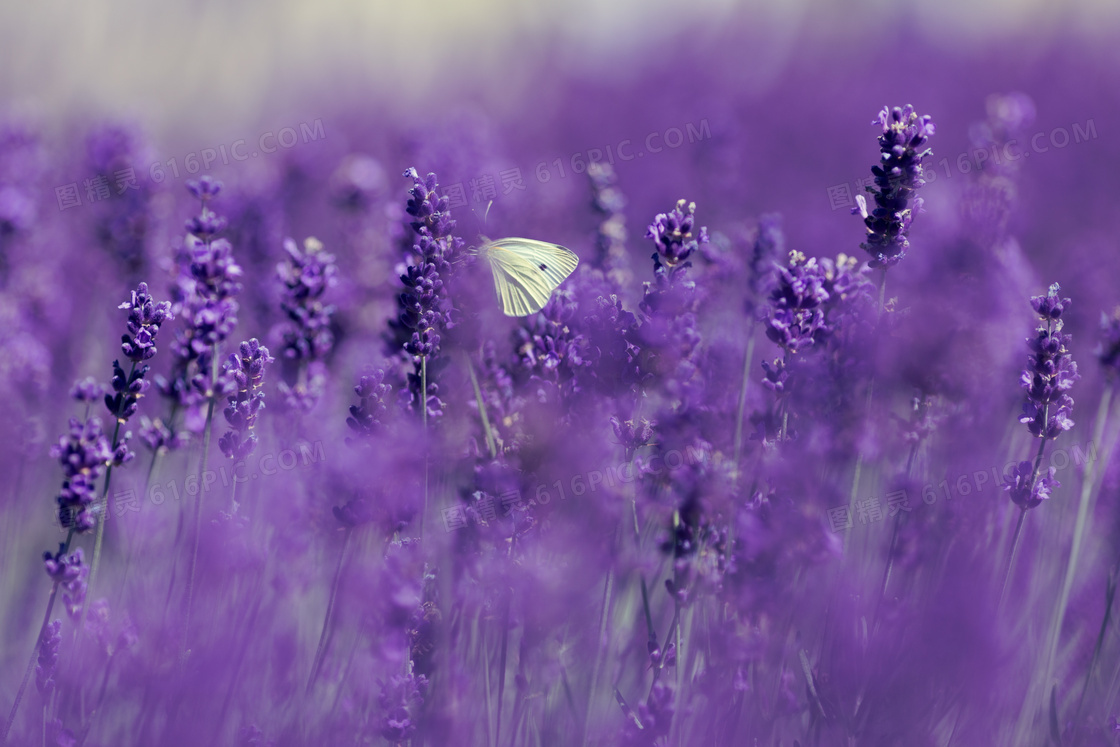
(1025, 491)
(159, 436)
(1050, 371)
(246, 368)
(84, 454)
(365, 417)
(87, 390)
(307, 337)
(796, 317)
(550, 352)
(425, 310)
(204, 298)
(897, 178)
(672, 233)
(70, 573)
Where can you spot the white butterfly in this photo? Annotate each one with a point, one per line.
(526, 272)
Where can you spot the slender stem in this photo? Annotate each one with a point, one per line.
(894, 538)
(502, 667)
(747, 359)
(424, 417)
(1011, 559)
(131, 545)
(491, 441)
(320, 651)
(103, 504)
(198, 503)
(424, 390)
(604, 619)
(35, 648)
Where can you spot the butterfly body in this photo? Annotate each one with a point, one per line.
(526, 272)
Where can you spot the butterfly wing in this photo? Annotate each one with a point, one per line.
(526, 272)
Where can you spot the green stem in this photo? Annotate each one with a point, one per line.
(320, 651)
(604, 620)
(204, 461)
(35, 648)
(103, 504)
(1011, 559)
(747, 359)
(491, 441)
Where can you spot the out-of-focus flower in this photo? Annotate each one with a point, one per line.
(1108, 349)
(401, 700)
(357, 182)
(1050, 371)
(204, 299)
(365, 417)
(47, 658)
(246, 369)
(307, 337)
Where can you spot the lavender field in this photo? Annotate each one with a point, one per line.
(816, 446)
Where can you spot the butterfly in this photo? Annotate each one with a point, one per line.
(526, 272)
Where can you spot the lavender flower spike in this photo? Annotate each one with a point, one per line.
(1050, 371)
(897, 178)
(246, 367)
(84, 454)
(307, 337)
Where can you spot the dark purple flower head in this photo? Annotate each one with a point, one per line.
(426, 311)
(84, 453)
(428, 207)
(70, 573)
(365, 417)
(796, 317)
(1050, 306)
(897, 179)
(246, 369)
(1025, 491)
(128, 388)
(1108, 349)
(672, 232)
(1050, 371)
(145, 317)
